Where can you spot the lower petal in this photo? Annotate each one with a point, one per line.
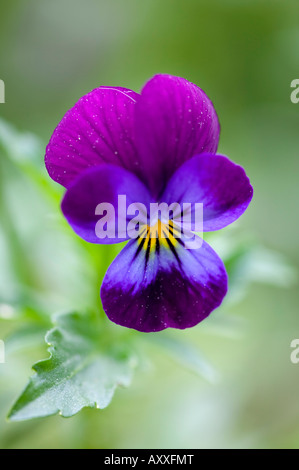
(157, 288)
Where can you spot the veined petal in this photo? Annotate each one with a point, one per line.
(98, 188)
(214, 181)
(98, 129)
(154, 285)
(175, 120)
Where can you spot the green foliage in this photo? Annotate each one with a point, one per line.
(82, 371)
(90, 357)
(186, 355)
(243, 54)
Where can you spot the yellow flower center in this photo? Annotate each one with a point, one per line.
(151, 237)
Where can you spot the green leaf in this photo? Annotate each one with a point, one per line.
(19, 146)
(186, 355)
(83, 370)
(25, 151)
(248, 262)
(25, 337)
(270, 267)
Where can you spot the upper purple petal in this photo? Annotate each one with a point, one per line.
(214, 181)
(166, 287)
(98, 129)
(97, 185)
(174, 121)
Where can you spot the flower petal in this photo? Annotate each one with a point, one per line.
(97, 185)
(213, 180)
(175, 120)
(97, 130)
(150, 290)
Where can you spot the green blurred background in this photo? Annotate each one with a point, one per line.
(244, 55)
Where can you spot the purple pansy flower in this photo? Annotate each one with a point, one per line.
(157, 146)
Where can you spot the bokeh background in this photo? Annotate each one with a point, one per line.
(244, 55)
